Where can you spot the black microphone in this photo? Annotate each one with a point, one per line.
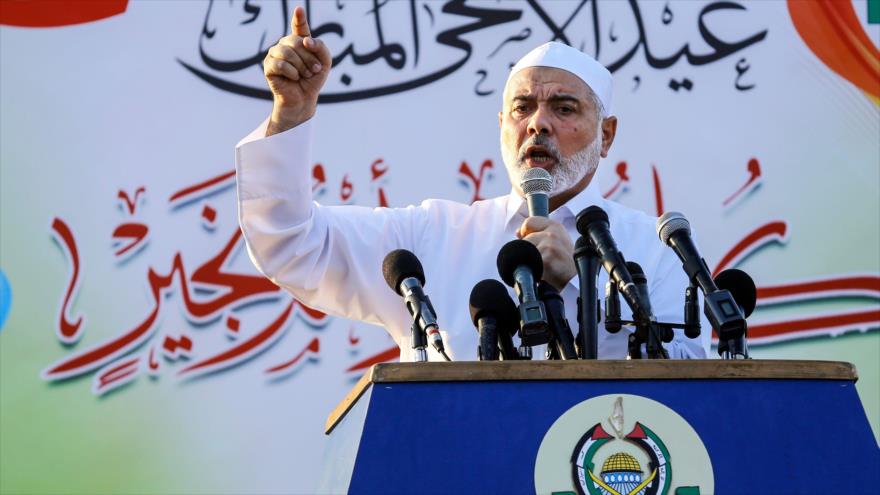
(560, 331)
(592, 223)
(404, 274)
(520, 265)
(641, 282)
(691, 312)
(719, 306)
(494, 315)
(586, 260)
(536, 184)
(653, 333)
(613, 322)
(742, 288)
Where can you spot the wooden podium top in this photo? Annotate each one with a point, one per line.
(480, 371)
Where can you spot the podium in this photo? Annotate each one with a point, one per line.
(603, 427)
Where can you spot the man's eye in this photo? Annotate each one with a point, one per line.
(520, 108)
(565, 110)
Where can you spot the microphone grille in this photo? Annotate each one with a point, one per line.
(400, 264)
(670, 223)
(536, 181)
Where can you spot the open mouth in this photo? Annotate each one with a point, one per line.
(538, 156)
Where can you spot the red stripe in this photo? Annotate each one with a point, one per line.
(202, 185)
(314, 346)
(390, 354)
(865, 283)
(831, 321)
(92, 358)
(54, 13)
(761, 233)
(232, 355)
(658, 194)
(123, 365)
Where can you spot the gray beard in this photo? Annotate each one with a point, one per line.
(569, 170)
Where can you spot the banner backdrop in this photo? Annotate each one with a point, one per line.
(140, 350)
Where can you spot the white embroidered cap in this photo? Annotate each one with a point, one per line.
(561, 56)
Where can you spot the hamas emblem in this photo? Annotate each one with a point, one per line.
(633, 459)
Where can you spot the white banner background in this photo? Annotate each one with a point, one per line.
(93, 112)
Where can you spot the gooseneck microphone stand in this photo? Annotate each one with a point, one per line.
(587, 261)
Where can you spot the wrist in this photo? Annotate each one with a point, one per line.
(283, 119)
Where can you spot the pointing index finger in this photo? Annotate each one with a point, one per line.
(299, 26)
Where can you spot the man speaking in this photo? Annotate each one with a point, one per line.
(554, 116)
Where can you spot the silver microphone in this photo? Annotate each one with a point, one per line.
(536, 184)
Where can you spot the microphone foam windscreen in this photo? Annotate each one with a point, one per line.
(741, 287)
(536, 180)
(517, 253)
(670, 223)
(637, 273)
(589, 215)
(490, 297)
(400, 264)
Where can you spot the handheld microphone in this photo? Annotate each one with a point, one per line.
(592, 223)
(520, 266)
(560, 331)
(586, 260)
(536, 184)
(404, 274)
(742, 288)
(494, 315)
(719, 306)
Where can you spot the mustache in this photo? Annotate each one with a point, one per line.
(539, 140)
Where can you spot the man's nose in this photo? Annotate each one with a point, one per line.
(539, 123)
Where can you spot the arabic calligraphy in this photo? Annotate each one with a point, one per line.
(212, 295)
(475, 181)
(68, 332)
(378, 58)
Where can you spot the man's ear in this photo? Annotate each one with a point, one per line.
(500, 118)
(609, 130)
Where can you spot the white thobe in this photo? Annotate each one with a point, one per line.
(330, 257)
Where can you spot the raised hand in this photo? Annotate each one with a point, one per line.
(296, 69)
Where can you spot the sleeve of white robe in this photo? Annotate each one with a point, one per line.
(329, 257)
